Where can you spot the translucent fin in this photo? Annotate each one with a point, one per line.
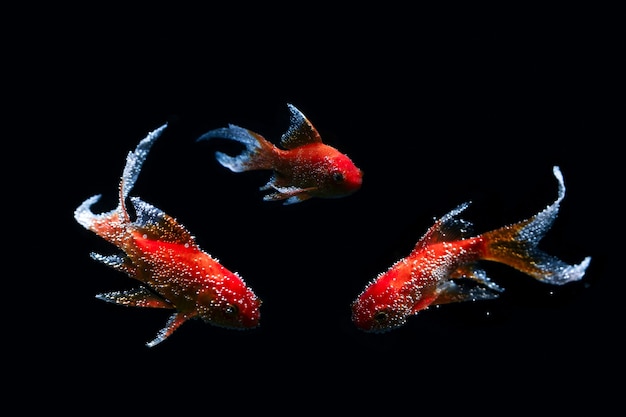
(85, 217)
(447, 228)
(107, 225)
(291, 195)
(245, 160)
(121, 263)
(233, 132)
(296, 199)
(106, 221)
(157, 225)
(271, 184)
(137, 297)
(474, 273)
(300, 131)
(455, 292)
(535, 228)
(516, 245)
(174, 322)
(135, 160)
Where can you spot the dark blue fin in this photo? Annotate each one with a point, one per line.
(447, 228)
(300, 131)
(516, 245)
(157, 225)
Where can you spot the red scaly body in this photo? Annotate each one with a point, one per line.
(161, 254)
(306, 168)
(443, 267)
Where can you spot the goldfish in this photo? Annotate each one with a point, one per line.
(306, 168)
(444, 267)
(160, 253)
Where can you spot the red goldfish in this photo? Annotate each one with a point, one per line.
(306, 168)
(163, 256)
(443, 267)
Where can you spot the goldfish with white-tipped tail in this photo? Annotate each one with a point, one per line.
(306, 168)
(443, 267)
(164, 257)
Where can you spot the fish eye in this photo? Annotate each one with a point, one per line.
(337, 176)
(381, 317)
(231, 310)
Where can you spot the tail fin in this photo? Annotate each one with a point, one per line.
(516, 245)
(110, 224)
(134, 162)
(257, 155)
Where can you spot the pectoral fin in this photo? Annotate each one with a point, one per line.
(174, 322)
(139, 297)
(290, 194)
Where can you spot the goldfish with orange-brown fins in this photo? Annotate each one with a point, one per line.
(443, 267)
(164, 257)
(306, 168)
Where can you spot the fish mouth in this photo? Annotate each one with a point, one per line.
(355, 182)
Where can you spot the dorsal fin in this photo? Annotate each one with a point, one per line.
(446, 229)
(300, 131)
(157, 225)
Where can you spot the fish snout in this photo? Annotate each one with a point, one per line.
(352, 180)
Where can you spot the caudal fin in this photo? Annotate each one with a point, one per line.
(257, 154)
(109, 225)
(516, 245)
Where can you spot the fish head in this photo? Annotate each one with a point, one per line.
(379, 309)
(337, 175)
(231, 304)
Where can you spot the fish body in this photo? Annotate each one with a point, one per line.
(160, 253)
(305, 168)
(443, 267)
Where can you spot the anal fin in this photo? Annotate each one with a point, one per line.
(174, 322)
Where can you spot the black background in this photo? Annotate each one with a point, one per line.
(437, 108)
